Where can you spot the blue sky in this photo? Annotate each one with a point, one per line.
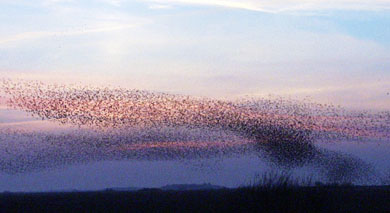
(332, 51)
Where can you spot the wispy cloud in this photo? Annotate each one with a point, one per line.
(247, 5)
(116, 3)
(159, 6)
(288, 5)
(45, 34)
(19, 123)
(339, 88)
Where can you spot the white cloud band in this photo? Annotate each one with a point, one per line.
(44, 34)
(288, 5)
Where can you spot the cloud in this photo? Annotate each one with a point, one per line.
(19, 123)
(287, 5)
(45, 34)
(116, 3)
(159, 6)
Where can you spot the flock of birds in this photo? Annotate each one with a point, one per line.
(117, 124)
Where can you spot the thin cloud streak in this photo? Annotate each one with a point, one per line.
(45, 34)
(287, 5)
(246, 5)
(19, 123)
(361, 86)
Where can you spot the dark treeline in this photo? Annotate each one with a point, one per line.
(247, 199)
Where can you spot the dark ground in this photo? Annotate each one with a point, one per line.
(249, 199)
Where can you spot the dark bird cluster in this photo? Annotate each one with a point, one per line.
(117, 123)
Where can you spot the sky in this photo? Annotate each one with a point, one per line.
(331, 51)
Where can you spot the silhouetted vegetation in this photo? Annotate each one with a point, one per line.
(275, 179)
(273, 193)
